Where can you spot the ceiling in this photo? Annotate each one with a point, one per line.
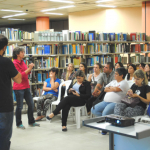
(33, 8)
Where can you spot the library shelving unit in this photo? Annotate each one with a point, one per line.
(63, 52)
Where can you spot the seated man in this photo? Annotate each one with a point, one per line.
(115, 90)
(105, 77)
(51, 87)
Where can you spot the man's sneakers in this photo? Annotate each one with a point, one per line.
(31, 125)
(21, 127)
(34, 125)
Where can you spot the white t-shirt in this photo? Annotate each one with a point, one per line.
(116, 97)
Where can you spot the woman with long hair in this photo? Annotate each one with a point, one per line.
(78, 93)
(139, 89)
(131, 70)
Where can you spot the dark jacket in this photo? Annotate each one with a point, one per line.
(84, 89)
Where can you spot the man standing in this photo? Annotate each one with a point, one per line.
(7, 72)
(106, 77)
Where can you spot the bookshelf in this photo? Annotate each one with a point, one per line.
(56, 56)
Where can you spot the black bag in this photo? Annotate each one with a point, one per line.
(100, 97)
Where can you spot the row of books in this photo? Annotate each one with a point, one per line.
(139, 59)
(101, 36)
(64, 61)
(140, 47)
(79, 49)
(16, 34)
(99, 59)
(46, 62)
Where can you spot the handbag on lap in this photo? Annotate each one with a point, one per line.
(130, 101)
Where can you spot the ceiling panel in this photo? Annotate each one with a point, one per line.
(34, 7)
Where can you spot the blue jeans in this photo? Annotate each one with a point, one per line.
(20, 94)
(103, 108)
(6, 122)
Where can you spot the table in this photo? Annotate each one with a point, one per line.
(135, 137)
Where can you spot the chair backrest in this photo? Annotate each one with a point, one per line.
(67, 83)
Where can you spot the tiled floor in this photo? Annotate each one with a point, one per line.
(50, 137)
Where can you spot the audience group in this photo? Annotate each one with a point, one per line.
(100, 91)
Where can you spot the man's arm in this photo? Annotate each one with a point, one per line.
(18, 78)
(97, 89)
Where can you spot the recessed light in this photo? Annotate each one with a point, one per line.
(54, 13)
(15, 19)
(48, 9)
(102, 1)
(11, 10)
(51, 9)
(66, 7)
(107, 6)
(61, 1)
(14, 15)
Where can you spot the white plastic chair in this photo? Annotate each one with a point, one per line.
(67, 83)
(77, 114)
(36, 98)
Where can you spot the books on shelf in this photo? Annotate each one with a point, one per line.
(16, 34)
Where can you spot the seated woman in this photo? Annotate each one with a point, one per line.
(147, 70)
(142, 66)
(93, 78)
(131, 70)
(69, 75)
(141, 90)
(78, 92)
(118, 65)
(115, 90)
(83, 67)
(51, 87)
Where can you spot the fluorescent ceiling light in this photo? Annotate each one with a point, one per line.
(14, 15)
(48, 9)
(57, 8)
(66, 7)
(15, 19)
(11, 10)
(54, 13)
(107, 6)
(61, 1)
(102, 1)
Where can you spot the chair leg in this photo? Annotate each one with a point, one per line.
(77, 113)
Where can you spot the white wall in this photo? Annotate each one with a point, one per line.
(107, 20)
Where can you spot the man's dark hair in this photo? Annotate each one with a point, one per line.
(111, 66)
(121, 71)
(3, 41)
(17, 51)
(143, 65)
(54, 70)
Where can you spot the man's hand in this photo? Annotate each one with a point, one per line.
(96, 94)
